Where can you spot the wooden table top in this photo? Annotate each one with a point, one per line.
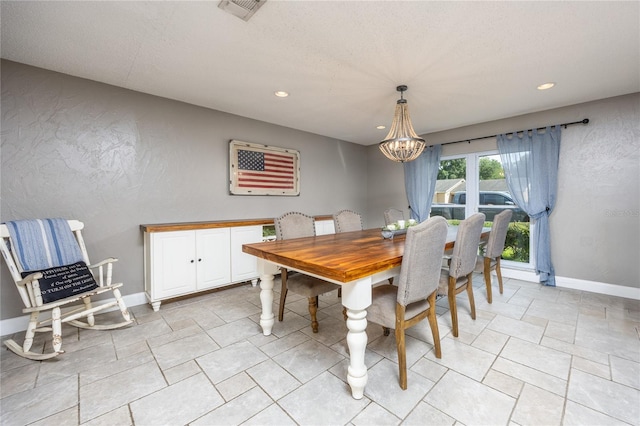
(342, 257)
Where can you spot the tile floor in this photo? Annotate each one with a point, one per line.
(536, 356)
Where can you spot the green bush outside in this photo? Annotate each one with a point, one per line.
(516, 246)
(268, 230)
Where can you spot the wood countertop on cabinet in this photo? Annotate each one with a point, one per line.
(189, 226)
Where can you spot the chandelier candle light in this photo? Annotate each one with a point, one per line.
(402, 144)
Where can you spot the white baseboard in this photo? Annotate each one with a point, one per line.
(14, 325)
(519, 274)
(135, 299)
(576, 284)
(597, 287)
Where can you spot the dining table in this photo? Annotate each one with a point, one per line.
(355, 260)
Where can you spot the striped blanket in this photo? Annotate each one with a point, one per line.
(43, 243)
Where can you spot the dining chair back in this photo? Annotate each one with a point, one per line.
(298, 225)
(347, 221)
(294, 225)
(458, 276)
(392, 216)
(420, 269)
(414, 298)
(490, 260)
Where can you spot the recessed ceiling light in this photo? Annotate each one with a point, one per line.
(381, 127)
(545, 86)
(281, 94)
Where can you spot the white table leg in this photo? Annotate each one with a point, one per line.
(267, 270)
(266, 298)
(356, 297)
(357, 376)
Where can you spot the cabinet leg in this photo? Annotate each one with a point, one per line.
(156, 305)
(254, 282)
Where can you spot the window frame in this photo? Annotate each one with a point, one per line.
(472, 201)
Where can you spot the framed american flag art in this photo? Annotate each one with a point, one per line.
(263, 170)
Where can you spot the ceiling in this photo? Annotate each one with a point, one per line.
(464, 62)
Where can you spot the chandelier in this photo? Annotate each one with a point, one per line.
(402, 144)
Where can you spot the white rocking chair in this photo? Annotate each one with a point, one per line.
(61, 285)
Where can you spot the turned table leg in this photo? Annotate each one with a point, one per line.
(267, 270)
(356, 297)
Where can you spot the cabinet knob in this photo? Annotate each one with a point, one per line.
(199, 260)
(191, 261)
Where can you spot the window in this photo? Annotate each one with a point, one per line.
(450, 197)
(475, 183)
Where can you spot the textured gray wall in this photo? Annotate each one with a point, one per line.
(116, 159)
(595, 227)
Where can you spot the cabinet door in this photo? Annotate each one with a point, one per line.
(173, 264)
(244, 266)
(213, 258)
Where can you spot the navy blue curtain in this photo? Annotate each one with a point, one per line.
(420, 177)
(530, 162)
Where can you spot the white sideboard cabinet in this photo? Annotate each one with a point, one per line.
(183, 259)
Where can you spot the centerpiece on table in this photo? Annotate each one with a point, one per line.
(396, 228)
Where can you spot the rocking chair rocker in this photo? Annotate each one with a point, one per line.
(49, 264)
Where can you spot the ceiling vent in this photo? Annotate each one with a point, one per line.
(243, 9)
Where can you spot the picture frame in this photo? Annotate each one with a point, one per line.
(256, 169)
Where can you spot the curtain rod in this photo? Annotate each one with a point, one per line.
(584, 121)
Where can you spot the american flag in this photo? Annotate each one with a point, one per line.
(265, 170)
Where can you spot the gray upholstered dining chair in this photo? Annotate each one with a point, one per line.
(490, 259)
(297, 225)
(347, 221)
(392, 216)
(458, 276)
(414, 298)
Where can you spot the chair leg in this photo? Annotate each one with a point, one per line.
(401, 346)
(472, 302)
(56, 338)
(385, 331)
(31, 331)
(487, 277)
(87, 306)
(499, 273)
(433, 323)
(283, 294)
(313, 310)
(452, 306)
(56, 325)
(283, 298)
(121, 305)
